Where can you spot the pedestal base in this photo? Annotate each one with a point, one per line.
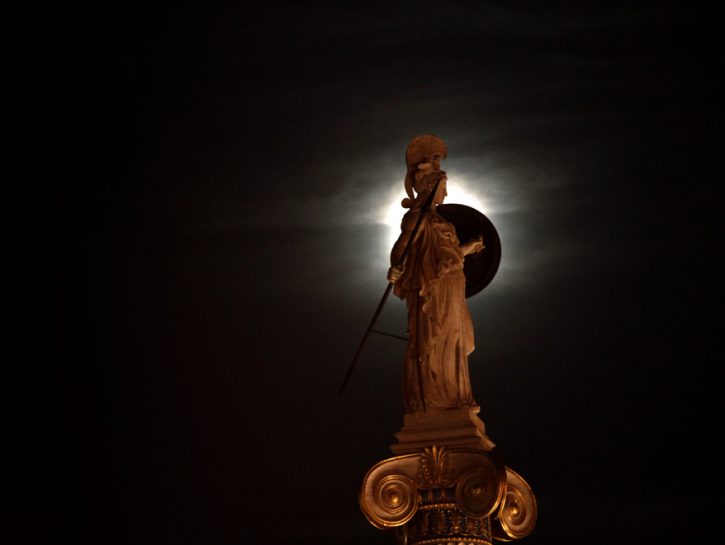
(459, 428)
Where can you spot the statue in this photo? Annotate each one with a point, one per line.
(444, 484)
(433, 285)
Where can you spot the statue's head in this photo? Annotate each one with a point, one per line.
(423, 159)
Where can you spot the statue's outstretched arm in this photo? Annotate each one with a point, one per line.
(473, 246)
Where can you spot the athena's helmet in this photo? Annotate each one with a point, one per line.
(420, 150)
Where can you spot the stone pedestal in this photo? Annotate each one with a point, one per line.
(460, 428)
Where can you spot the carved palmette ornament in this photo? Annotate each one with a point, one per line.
(434, 467)
(394, 489)
(516, 517)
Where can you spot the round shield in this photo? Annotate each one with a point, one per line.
(479, 268)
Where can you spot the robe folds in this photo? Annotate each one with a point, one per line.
(440, 329)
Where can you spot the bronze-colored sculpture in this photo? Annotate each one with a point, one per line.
(446, 484)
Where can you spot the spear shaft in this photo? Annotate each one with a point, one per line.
(401, 261)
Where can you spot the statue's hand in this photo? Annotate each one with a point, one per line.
(394, 273)
(473, 246)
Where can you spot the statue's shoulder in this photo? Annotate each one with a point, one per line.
(410, 219)
(440, 221)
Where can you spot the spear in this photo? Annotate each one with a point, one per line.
(400, 263)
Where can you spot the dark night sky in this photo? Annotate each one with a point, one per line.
(210, 252)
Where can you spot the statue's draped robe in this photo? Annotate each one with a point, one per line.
(439, 324)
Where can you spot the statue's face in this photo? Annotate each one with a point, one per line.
(442, 192)
(436, 162)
